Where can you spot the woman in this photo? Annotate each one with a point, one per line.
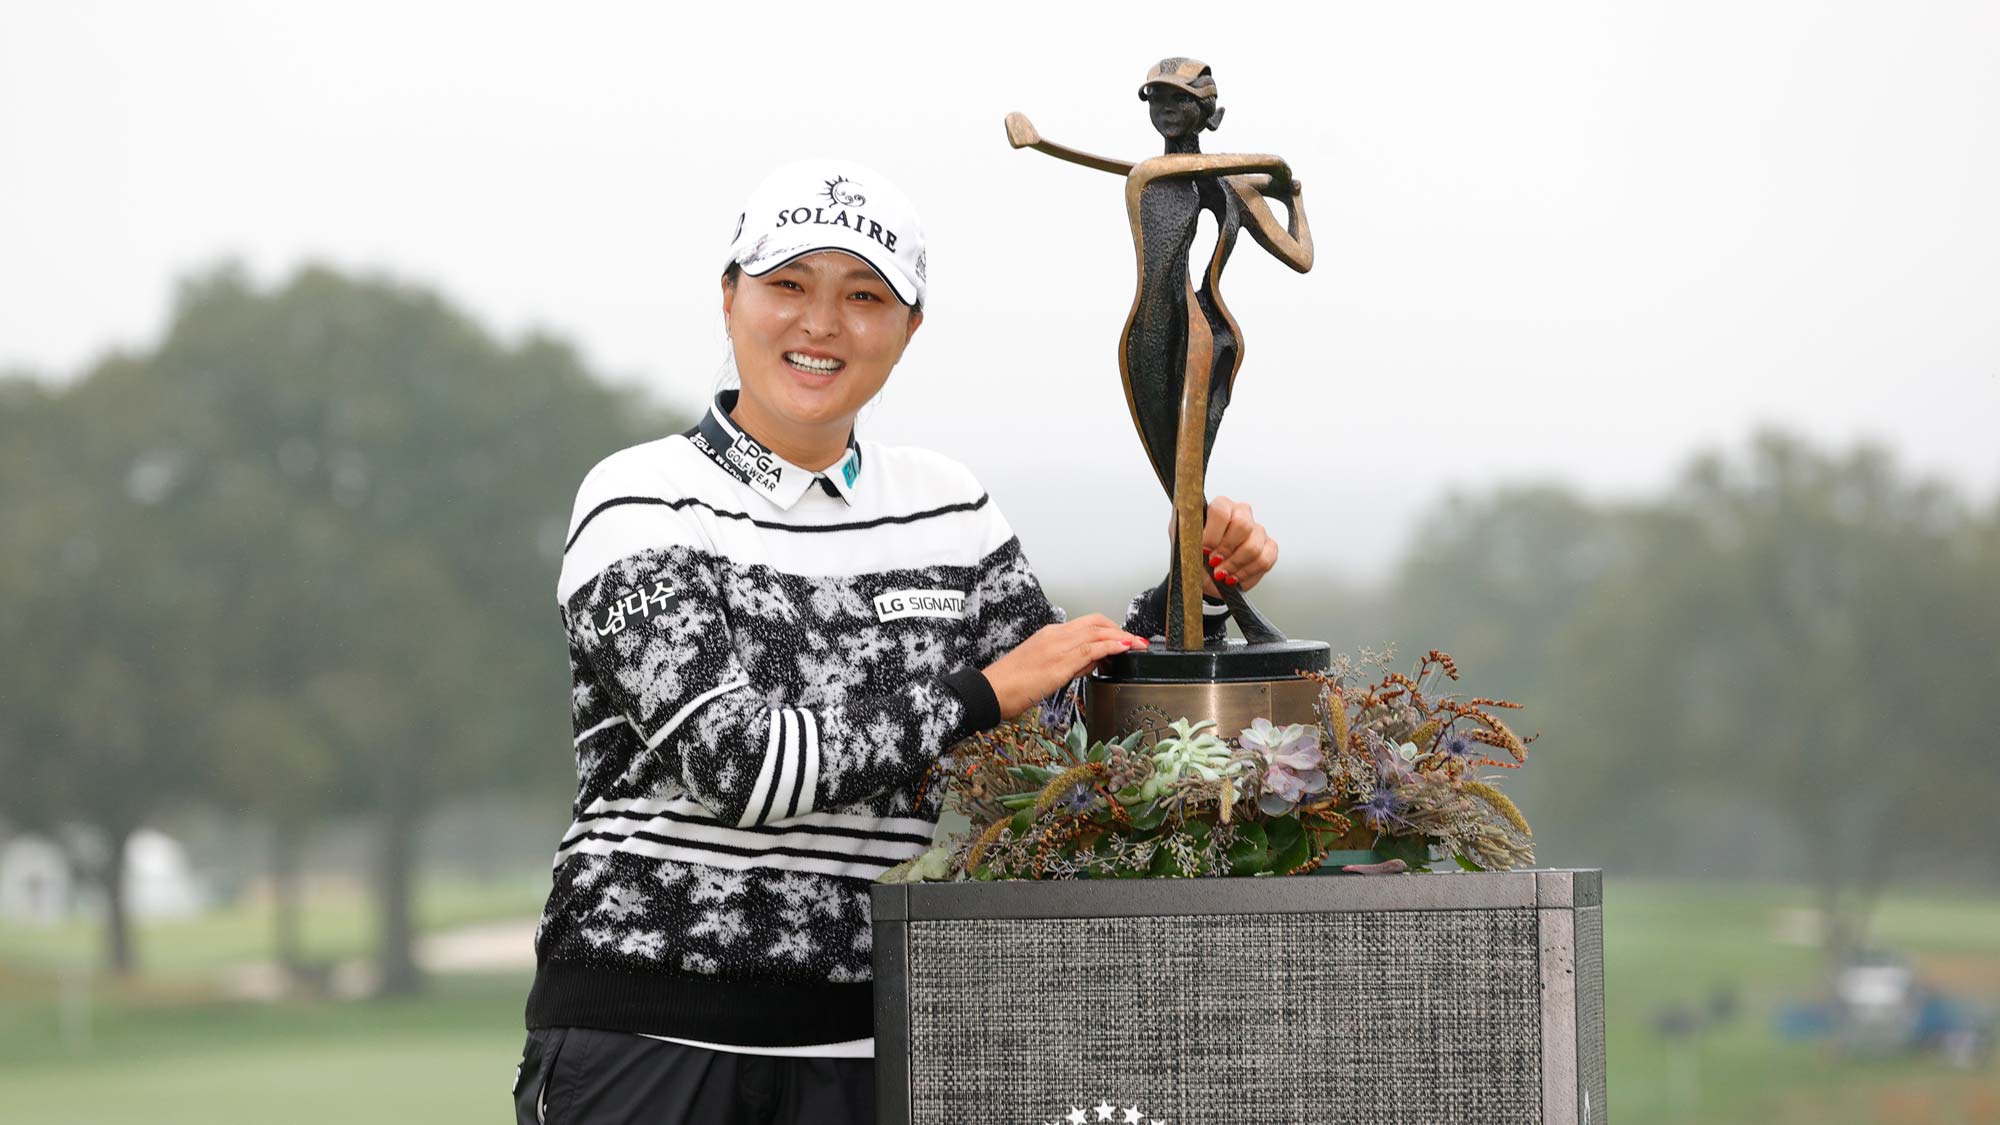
(774, 631)
(1181, 348)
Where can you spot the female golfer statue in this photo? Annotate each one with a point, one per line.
(1181, 348)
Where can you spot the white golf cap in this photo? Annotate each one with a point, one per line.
(832, 205)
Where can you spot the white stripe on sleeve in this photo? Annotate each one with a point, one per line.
(763, 786)
(610, 722)
(809, 788)
(788, 768)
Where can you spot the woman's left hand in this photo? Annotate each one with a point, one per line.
(1238, 550)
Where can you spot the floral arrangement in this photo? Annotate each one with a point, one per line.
(1388, 779)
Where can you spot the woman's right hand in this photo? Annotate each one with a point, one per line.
(1052, 657)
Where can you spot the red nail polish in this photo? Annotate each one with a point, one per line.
(1220, 576)
(1231, 580)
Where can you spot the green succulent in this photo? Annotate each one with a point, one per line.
(934, 866)
(1192, 750)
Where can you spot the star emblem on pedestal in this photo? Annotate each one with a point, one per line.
(1106, 1112)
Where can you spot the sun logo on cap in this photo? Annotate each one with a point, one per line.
(845, 192)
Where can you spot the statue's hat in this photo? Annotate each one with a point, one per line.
(1190, 76)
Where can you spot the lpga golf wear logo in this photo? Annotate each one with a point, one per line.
(755, 464)
(755, 461)
(1105, 1111)
(898, 604)
(745, 457)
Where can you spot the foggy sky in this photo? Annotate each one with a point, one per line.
(1555, 241)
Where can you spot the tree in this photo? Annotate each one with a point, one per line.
(1495, 579)
(298, 559)
(425, 473)
(1801, 637)
(105, 700)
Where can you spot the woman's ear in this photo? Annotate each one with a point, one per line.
(728, 298)
(916, 318)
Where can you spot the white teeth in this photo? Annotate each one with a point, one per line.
(811, 364)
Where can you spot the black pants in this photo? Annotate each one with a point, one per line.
(580, 1076)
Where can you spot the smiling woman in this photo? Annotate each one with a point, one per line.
(775, 629)
(814, 339)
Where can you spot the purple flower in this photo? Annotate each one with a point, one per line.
(1390, 768)
(1292, 787)
(1079, 799)
(1058, 709)
(1380, 809)
(1295, 747)
(1291, 757)
(1458, 748)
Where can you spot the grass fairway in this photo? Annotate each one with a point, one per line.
(166, 1051)
(448, 1057)
(1677, 943)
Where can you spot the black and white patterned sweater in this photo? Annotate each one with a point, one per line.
(765, 661)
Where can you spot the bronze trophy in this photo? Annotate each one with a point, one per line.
(1178, 355)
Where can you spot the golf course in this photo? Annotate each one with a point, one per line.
(182, 1044)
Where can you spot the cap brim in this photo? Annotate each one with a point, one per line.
(1173, 84)
(889, 270)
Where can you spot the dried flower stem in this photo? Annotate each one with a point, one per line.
(1501, 805)
(1061, 784)
(986, 840)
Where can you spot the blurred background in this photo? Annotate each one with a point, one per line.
(1650, 366)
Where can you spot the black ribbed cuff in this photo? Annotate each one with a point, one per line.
(739, 1013)
(982, 707)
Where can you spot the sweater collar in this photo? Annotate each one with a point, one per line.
(735, 452)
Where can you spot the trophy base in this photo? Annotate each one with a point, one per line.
(1230, 684)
